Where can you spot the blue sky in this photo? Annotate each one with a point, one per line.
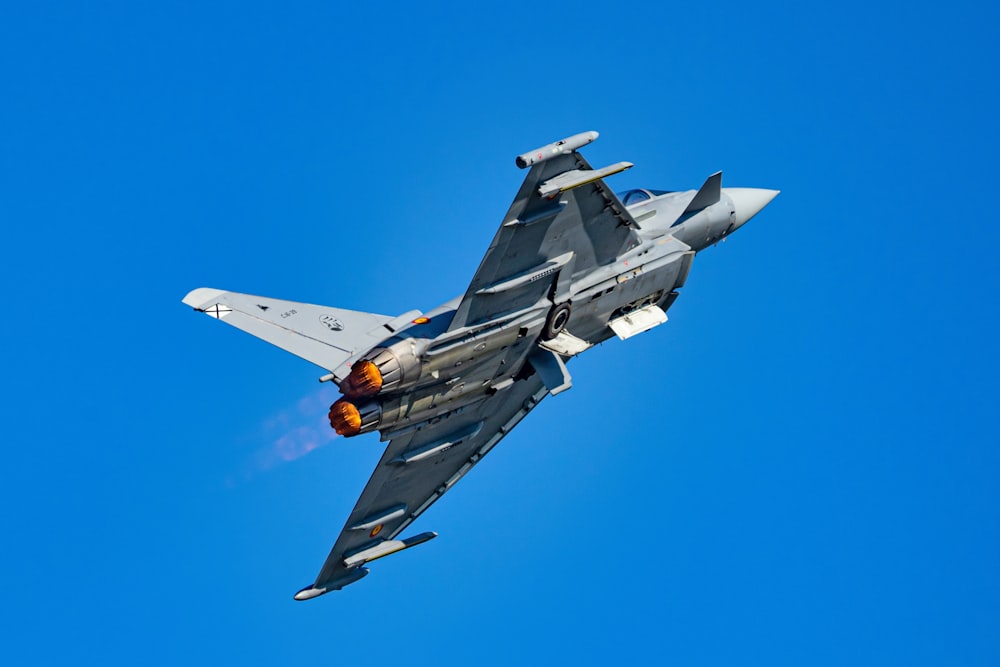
(799, 468)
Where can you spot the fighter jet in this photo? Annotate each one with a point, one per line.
(571, 265)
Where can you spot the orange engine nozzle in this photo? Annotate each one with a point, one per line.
(351, 418)
(345, 418)
(364, 381)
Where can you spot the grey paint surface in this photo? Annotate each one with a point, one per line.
(568, 259)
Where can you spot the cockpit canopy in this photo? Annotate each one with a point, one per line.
(637, 195)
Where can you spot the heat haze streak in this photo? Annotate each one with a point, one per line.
(292, 432)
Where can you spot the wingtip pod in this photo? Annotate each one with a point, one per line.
(567, 145)
(313, 591)
(197, 298)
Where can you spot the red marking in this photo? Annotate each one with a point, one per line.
(375, 531)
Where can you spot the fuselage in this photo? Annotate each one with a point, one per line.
(570, 265)
(662, 213)
(428, 370)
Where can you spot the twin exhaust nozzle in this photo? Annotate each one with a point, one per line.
(380, 371)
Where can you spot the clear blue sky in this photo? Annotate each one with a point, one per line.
(800, 468)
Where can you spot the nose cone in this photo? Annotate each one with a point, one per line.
(747, 202)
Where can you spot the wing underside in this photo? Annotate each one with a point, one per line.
(564, 222)
(417, 468)
(329, 337)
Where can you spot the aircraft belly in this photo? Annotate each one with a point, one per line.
(591, 315)
(466, 382)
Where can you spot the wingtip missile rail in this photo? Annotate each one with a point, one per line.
(314, 591)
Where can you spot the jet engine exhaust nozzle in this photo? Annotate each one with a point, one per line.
(364, 381)
(383, 370)
(348, 419)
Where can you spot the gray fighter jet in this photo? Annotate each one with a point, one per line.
(571, 265)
